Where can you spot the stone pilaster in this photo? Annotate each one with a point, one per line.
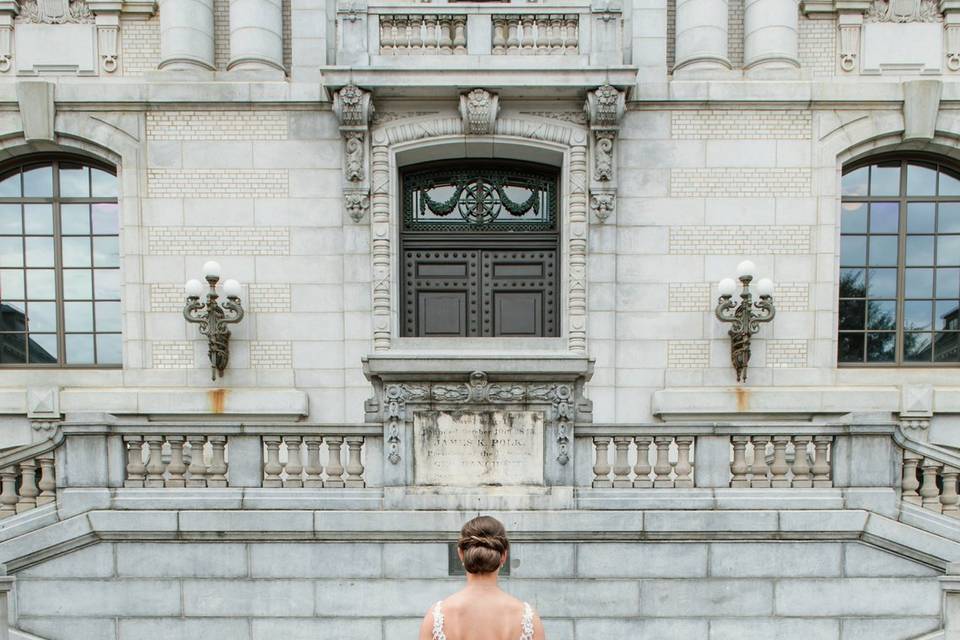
(186, 35)
(771, 37)
(701, 35)
(380, 240)
(256, 35)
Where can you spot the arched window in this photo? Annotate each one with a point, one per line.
(900, 263)
(480, 245)
(59, 264)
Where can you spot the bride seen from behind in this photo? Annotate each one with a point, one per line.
(481, 610)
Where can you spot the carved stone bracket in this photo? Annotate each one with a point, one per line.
(951, 27)
(354, 110)
(850, 24)
(107, 14)
(605, 107)
(9, 10)
(479, 109)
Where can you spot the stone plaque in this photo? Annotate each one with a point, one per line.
(473, 448)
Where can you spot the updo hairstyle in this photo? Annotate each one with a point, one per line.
(483, 541)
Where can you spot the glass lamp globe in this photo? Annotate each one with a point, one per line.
(746, 268)
(211, 269)
(727, 287)
(194, 288)
(765, 287)
(231, 288)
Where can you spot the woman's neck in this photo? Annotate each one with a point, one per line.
(482, 580)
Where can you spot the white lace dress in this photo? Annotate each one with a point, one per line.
(526, 622)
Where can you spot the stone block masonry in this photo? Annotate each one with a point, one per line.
(688, 354)
(172, 355)
(689, 296)
(741, 124)
(271, 355)
(740, 240)
(140, 45)
(228, 241)
(786, 354)
(218, 183)
(747, 182)
(269, 298)
(217, 125)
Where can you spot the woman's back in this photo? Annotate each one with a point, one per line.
(490, 614)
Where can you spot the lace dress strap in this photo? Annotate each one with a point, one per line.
(438, 633)
(526, 623)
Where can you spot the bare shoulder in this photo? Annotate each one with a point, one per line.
(426, 626)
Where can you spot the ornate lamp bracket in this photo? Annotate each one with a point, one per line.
(354, 109)
(605, 107)
(213, 317)
(745, 318)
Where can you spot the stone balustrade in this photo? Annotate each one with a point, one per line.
(27, 484)
(423, 34)
(551, 34)
(930, 483)
(182, 460)
(780, 461)
(313, 461)
(644, 461)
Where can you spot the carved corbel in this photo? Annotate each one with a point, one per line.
(479, 109)
(9, 10)
(107, 19)
(354, 109)
(951, 27)
(605, 107)
(850, 24)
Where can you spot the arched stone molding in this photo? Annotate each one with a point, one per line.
(566, 143)
(116, 139)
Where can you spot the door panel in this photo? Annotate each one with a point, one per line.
(519, 293)
(440, 292)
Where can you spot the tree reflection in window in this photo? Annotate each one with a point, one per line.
(900, 264)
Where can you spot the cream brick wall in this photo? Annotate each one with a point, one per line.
(818, 47)
(139, 45)
(221, 34)
(735, 32)
(271, 355)
(786, 354)
(217, 125)
(740, 240)
(689, 296)
(166, 298)
(741, 124)
(231, 241)
(792, 296)
(270, 298)
(688, 354)
(737, 182)
(172, 354)
(218, 183)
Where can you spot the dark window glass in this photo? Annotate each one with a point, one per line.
(900, 264)
(59, 265)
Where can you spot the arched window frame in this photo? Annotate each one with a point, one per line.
(103, 270)
(907, 300)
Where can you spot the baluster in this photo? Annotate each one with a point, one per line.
(929, 491)
(910, 483)
(779, 467)
(572, 37)
(542, 28)
(272, 467)
(416, 34)
(294, 468)
(48, 483)
(821, 461)
(354, 466)
(526, 34)
(459, 35)
(430, 37)
(683, 467)
(641, 471)
(155, 466)
(8, 497)
(313, 468)
(386, 35)
(759, 468)
(949, 497)
(662, 467)
(446, 42)
(217, 471)
(28, 486)
(513, 40)
(601, 466)
(739, 468)
(621, 467)
(334, 465)
(401, 43)
(499, 35)
(136, 470)
(176, 468)
(198, 467)
(802, 478)
(556, 38)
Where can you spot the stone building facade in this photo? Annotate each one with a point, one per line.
(478, 247)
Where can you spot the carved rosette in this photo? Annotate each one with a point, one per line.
(479, 109)
(605, 107)
(354, 109)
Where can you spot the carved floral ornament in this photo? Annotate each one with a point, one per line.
(354, 109)
(604, 108)
(55, 12)
(479, 109)
(903, 11)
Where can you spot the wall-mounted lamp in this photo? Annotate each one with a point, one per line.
(745, 317)
(213, 317)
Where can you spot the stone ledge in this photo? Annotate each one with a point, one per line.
(756, 402)
(433, 366)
